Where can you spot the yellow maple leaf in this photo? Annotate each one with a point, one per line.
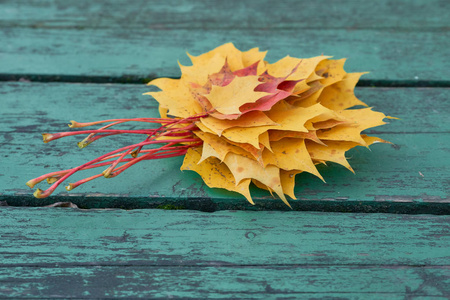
(302, 67)
(251, 119)
(229, 98)
(215, 174)
(359, 120)
(218, 147)
(290, 154)
(244, 168)
(334, 151)
(176, 97)
(247, 135)
(341, 95)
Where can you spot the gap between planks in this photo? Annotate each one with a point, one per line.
(135, 79)
(145, 264)
(212, 205)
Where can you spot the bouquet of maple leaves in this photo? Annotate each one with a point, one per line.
(238, 119)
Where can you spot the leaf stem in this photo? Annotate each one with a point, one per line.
(177, 140)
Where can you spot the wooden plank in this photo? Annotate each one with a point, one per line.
(51, 253)
(51, 237)
(147, 53)
(417, 15)
(235, 282)
(44, 107)
(387, 178)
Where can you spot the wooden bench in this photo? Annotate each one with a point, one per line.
(157, 232)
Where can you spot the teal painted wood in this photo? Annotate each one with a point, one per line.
(49, 236)
(46, 106)
(417, 15)
(149, 53)
(237, 282)
(48, 252)
(409, 176)
(54, 253)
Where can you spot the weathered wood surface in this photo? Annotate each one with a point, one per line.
(411, 176)
(416, 15)
(402, 40)
(148, 53)
(229, 282)
(72, 253)
(53, 253)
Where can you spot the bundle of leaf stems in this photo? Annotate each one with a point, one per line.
(174, 137)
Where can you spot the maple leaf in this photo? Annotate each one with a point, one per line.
(241, 90)
(238, 119)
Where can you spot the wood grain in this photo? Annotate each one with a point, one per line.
(51, 253)
(286, 282)
(148, 53)
(387, 178)
(70, 237)
(404, 41)
(76, 253)
(417, 15)
(144, 39)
